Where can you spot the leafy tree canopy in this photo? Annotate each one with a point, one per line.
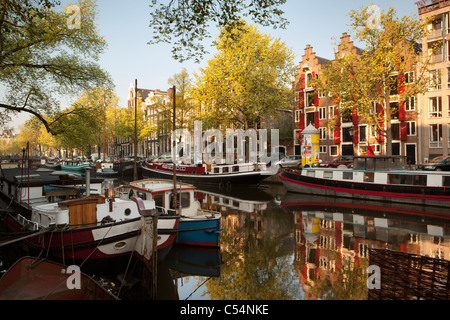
(185, 23)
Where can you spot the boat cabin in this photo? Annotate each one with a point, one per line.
(161, 191)
(388, 170)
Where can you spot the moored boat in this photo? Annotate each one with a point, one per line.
(40, 279)
(75, 165)
(197, 226)
(378, 178)
(214, 174)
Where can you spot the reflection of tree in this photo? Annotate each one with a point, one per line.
(254, 268)
(346, 283)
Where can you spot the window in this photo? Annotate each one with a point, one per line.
(393, 84)
(395, 131)
(334, 151)
(394, 110)
(310, 99)
(435, 107)
(323, 133)
(296, 140)
(435, 80)
(323, 149)
(322, 113)
(310, 118)
(410, 104)
(347, 134)
(409, 77)
(436, 136)
(331, 112)
(362, 133)
(411, 128)
(298, 114)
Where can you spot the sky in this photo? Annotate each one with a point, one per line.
(125, 27)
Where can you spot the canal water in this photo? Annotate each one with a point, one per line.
(277, 245)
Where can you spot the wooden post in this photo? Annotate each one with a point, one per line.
(135, 130)
(174, 144)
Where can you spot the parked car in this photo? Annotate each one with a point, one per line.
(336, 162)
(441, 163)
(289, 161)
(164, 158)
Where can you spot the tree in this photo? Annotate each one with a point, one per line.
(188, 21)
(249, 78)
(185, 108)
(42, 57)
(362, 83)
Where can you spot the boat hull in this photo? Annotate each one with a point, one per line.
(224, 180)
(33, 279)
(108, 241)
(199, 231)
(431, 196)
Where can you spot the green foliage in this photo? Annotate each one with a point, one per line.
(188, 21)
(41, 59)
(249, 78)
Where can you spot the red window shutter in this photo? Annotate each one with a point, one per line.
(316, 100)
(316, 119)
(380, 110)
(403, 131)
(301, 100)
(355, 116)
(355, 134)
(337, 116)
(302, 81)
(370, 150)
(300, 137)
(401, 111)
(302, 121)
(401, 83)
(337, 135)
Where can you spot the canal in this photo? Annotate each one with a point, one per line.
(283, 246)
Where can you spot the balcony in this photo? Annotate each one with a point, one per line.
(430, 5)
(435, 34)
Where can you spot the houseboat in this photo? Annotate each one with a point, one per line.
(379, 178)
(197, 226)
(99, 226)
(223, 175)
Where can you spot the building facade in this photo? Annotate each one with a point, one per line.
(434, 120)
(350, 135)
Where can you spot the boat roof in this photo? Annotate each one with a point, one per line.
(158, 185)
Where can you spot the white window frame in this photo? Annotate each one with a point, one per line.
(411, 125)
(322, 113)
(435, 111)
(438, 142)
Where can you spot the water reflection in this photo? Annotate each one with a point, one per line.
(311, 247)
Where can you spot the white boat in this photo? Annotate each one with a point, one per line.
(378, 178)
(197, 226)
(94, 227)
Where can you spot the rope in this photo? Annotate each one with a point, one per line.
(25, 237)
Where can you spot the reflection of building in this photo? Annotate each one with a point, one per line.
(329, 244)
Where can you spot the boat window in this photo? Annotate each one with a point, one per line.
(158, 198)
(225, 170)
(328, 175)
(142, 195)
(310, 173)
(446, 181)
(216, 170)
(381, 164)
(359, 164)
(370, 165)
(418, 180)
(347, 175)
(369, 177)
(236, 169)
(185, 199)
